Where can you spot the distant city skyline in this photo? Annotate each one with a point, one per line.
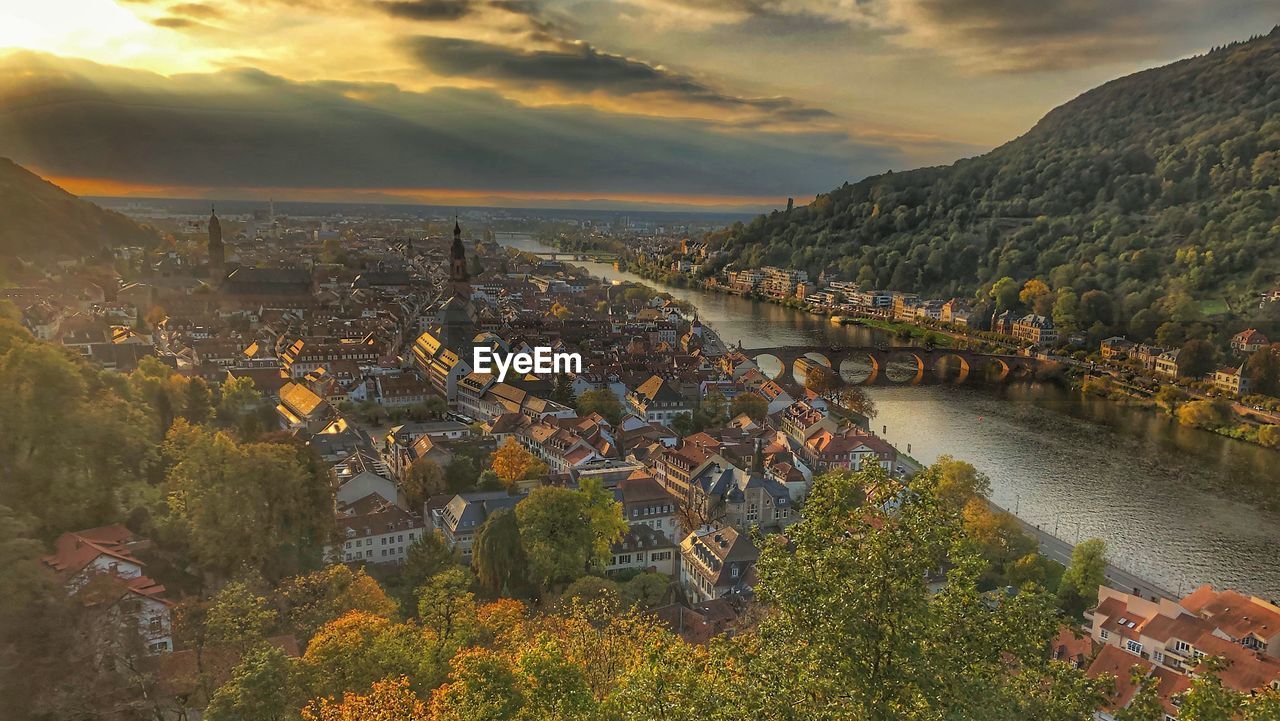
(722, 105)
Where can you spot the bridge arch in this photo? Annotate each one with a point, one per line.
(950, 367)
(904, 366)
(770, 365)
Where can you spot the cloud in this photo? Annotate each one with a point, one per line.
(246, 128)
(447, 10)
(992, 35)
(174, 23)
(200, 11)
(580, 68)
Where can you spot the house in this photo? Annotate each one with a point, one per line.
(1232, 380)
(657, 400)
(360, 474)
(1035, 329)
(374, 530)
(1116, 348)
(100, 568)
(1248, 341)
(1167, 364)
(646, 503)
(1168, 639)
(301, 409)
(643, 548)
(460, 519)
(717, 563)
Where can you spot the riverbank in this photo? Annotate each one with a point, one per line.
(1175, 505)
(1215, 415)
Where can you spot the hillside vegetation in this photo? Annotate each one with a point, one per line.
(37, 218)
(1155, 188)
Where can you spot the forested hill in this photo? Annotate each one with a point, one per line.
(1163, 181)
(37, 218)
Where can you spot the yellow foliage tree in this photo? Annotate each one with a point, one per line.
(388, 700)
(512, 462)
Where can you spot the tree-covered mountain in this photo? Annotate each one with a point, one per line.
(37, 218)
(1160, 189)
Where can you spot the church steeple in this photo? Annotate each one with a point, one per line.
(217, 254)
(458, 274)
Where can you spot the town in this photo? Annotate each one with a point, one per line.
(361, 341)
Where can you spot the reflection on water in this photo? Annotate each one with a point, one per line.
(1178, 506)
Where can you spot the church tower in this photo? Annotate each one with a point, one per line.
(456, 316)
(217, 254)
(458, 274)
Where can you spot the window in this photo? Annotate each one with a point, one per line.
(753, 512)
(1105, 634)
(157, 625)
(624, 558)
(1133, 647)
(1181, 646)
(1157, 656)
(733, 571)
(368, 554)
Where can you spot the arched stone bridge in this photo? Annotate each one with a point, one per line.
(932, 365)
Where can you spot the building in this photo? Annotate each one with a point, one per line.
(1232, 379)
(643, 548)
(657, 400)
(717, 563)
(102, 569)
(460, 519)
(1248, 341)
(1166, 364)
(1168, 639)
(1116, 348)
(217, 253)
(375, 531)
(1034, 329)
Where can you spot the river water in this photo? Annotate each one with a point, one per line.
(1177, 506)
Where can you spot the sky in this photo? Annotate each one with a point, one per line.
(717, 104)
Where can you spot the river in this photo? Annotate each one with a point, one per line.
(1177, 506)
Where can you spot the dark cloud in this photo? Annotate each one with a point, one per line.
(446, 10)
(246, 128)
(200, 11)
(174, 23)
(427, 9)
(580, 67)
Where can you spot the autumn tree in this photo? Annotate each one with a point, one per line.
(959, 482)
(425, 479)
(314, 599)
(387, 700)
(513, 462)
(358, 649)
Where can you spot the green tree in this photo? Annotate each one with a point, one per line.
(497, 555)
(216, 488)
(959, 482)
(562, 391)
(1196, 358)
(1085, 573)
(263, 687)
(238, 616)
(601, 401)
(198, 406)
(604, 516)
(1146, 704)
(755, 407)
(877, 650)
(1004, 293)
(556, 533)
